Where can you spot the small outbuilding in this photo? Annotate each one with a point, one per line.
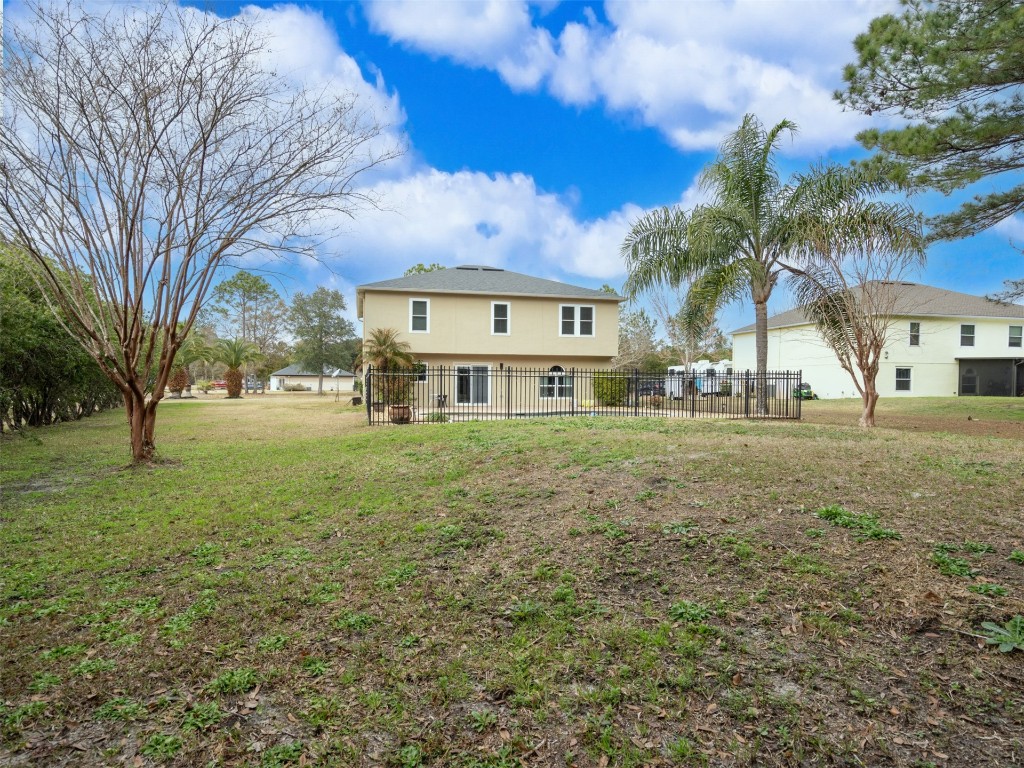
(295, 376)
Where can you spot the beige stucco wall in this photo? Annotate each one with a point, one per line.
(934, 363)
(460, 329)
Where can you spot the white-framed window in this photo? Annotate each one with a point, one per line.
(473, 384)
(419, 315)
(556, 384)
(501, 318)
(420, 369)
(903, 379)
(966, 335)
(915, 334)
(576, 320)
(1016, 335)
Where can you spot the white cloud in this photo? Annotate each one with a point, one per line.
(474, 218)
(1012, 227)
(689, 70)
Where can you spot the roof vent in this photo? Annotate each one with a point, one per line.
(477, 268)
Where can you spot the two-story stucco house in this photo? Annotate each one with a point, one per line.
(940, 343)
(475, 320)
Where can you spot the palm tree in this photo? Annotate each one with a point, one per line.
(753, 230)
(235, 353)
(385, 352)
(192, 350)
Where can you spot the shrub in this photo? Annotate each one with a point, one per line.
(295, 388)
(725, 388)
(204, 386)
(611, 389)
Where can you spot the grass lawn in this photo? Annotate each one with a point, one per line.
(292, 587)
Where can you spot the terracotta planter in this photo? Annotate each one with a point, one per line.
(400, 414)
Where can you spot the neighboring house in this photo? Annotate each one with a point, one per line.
(940, 343)
(335, 379)
(476, 321)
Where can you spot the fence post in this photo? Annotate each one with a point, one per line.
(693, 396)
(636, 391)
(746, 394)
(367, 391)
(508, 393)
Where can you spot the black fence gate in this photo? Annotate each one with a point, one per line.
(478, 392)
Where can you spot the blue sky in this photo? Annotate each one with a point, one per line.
(537, 132)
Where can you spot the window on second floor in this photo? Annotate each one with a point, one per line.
(501, 320)
(915, 334)
(1016, 335)
(576, 320)
(966, 335)
(419, 315)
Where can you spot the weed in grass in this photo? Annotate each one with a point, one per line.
(146, 606)
(688, 612)
(43, 681)
(120, 708)
(814, 533)
(354, 621)
(946, 548)
(409, 641)
(93, 667)
(1017, 556)
(206, 553)
(952, 566)
(865, 524)
(396, 576)
(563, 593)
(63, 650)
(234, 681)
(1008, 637)
(525, 611)
(989, 590)
(315, 667)
(272, 643)
(682, 750)
(283, 755)
(410, 756)
(679, 528)
(127, 640)
(322, 710)
(181, 624)
(978, 547)
(505, 757)
(482, 719)
(201, 716)
(18, 716)
(324, 594)
(161, 746)
(805, 565)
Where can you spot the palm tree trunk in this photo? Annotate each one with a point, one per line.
(761, 349)
(233, 380)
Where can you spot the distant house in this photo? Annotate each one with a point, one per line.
(474, 321)
(335, 379)
(941, 343)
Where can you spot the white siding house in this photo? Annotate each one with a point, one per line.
(335, 379)
(941, 343)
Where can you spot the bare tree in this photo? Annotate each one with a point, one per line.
(852, 300)
(142, 149)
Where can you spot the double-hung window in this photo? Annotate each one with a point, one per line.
(1016, 335)
(576, 320)
(966, 335)
(419, 315)
(915, 334)
(903, 379)
(501, 318)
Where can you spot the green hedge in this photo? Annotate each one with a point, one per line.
(611, 389)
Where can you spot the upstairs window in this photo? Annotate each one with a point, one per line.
(1016, 335)
(500, 319)
(966, 335)
(903, 379)
(419, 315)
(915, 334)
(576, 320)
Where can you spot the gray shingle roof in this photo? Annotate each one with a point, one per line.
(470, 278)
(914, 300)
(298, 370)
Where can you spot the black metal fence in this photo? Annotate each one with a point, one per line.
(481, 392)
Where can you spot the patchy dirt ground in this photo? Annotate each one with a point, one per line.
(590, 593)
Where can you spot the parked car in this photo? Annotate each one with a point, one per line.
(803, 391)
(219, 384)
(651, 387)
